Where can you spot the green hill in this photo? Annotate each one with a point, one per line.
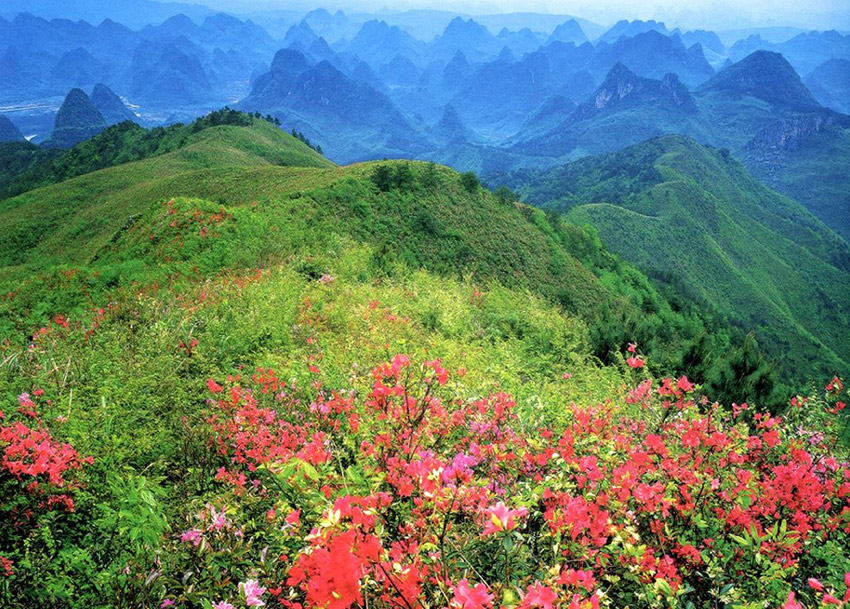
(692, 216)
(252, 196)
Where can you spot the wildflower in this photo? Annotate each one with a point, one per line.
(222, 605)
(219, 519)
(815, 584)
(252, 591)
(192, 536)
(539, 595)
(167, 602)
(635, 362)
(791, 602)
(502, 519)
(466, 597)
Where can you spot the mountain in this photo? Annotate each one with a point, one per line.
(758, 108)
(806, 158)
(568, 31)
(729, 110)
(451, 127)
(132, 13)
(167, 77)
(376, 41)
(707, 39)
(652, 54)
(8, 131)
(519, 42)
(77, 68)
(830, 84)
(351, 120)
(630, 29)
(649, 107)
(472, 38)
(76, 120)
(766, 76)
(500, 94)
(805, 51)
(110, 105)
(696, 220)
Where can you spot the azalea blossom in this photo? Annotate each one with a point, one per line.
(252, 591)
(467, 597)
(502, 518)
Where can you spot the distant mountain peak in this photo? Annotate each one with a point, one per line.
(110, 105)
(622, 84)
(77, 120)
(569, 31)
(451, 125)
(9, 132)
(767, 76)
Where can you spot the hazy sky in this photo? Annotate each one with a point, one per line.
(819, 14)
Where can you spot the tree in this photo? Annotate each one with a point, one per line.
(470, 182)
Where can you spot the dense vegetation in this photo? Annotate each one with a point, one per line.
(234, 374)
(26, 167)
(693, 219)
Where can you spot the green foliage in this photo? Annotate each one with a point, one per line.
(711, 237)
(469, 181)
(124, 143)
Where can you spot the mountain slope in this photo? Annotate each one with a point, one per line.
(76, 120)
(110, 106)
(693, 216)
(8, 131)
(350, 119)
(758, 108)
(112, 228)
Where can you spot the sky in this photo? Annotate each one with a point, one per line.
(815, 14)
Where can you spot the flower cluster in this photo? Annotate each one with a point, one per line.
(410, 497)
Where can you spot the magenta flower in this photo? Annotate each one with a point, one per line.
(502, 518)
(193, 536)
(222, 605)
(252, 591)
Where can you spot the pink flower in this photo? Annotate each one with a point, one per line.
(166, 603)
(467, 597)
(502, 519)
(828, 599)
(252, 591)
(791, 603)
(539, 595)
(815, 584)
(222, 605)
(219, 519)
(685, 385)
(193, 536)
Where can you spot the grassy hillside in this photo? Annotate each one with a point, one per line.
(65, 246)
(128, 142)
(692, 215)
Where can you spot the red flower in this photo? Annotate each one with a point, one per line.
(635, 362)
